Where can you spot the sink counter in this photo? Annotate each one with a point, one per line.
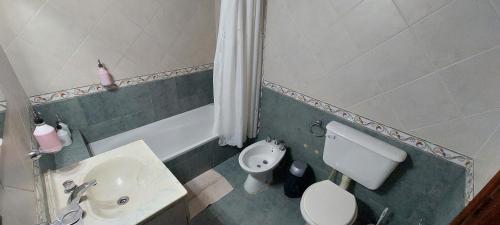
(132, 171)
(68, 155)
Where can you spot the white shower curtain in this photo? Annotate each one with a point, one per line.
(237, 70)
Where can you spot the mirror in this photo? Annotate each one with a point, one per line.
(3, 109)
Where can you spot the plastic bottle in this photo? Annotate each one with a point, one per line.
(104, 76)
(63, 125)
(46, 135)
(64, 136)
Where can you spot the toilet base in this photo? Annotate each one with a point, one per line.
(258, 182)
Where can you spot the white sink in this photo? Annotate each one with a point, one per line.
(131, 172)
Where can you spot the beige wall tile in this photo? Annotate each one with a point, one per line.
(116, 30)
(439, 75)
(333, 48)
(169, 21)
(487, 162)
(346, 87)
(414, 10)
(395, 62)
(35, 68)
(464, 135)
(84, 60)
(55, 31)
(378, 109)
(344, 6)
(14, 15)
(138, 11)
(55, 44)
(459, 30)
(474, 83)
(372, 22)
(86, 15)
(422, 103)
(146, 53)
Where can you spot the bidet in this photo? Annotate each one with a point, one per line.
(259, 161)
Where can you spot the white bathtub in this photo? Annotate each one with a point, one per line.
(169, 137)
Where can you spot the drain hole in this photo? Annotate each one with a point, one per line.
(265, 161)
(258, 166)
(122, 200)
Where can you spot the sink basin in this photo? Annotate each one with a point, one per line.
(120, 178)
(132, 185)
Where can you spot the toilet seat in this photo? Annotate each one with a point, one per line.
(325, 203)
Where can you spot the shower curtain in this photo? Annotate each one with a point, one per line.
(237, 70)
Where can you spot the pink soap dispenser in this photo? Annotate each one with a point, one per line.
(46, 136)
(104, 76)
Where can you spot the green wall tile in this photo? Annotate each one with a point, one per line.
(164, 98)
(104, 114)
(70, 111)
(103, 106)
(423, 187)
(194, 90)
(76, 152)
(194, 162)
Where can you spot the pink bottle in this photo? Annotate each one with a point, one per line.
(104, 76)
(46, 136)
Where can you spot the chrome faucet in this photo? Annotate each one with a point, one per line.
(72, 214)
(78, 191)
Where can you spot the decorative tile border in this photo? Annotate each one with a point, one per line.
(94, 88)
(390, 132)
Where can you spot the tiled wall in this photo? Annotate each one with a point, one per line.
(426, 67)
(423, 187)
(196, 161)
(17, 197)
(104, 114)
(54, 44)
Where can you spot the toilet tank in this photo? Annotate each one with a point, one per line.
(363, 158)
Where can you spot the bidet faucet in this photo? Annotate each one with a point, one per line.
(78, 191)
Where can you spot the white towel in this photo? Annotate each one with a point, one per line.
(206, 189)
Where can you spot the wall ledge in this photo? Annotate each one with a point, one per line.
(94, 88)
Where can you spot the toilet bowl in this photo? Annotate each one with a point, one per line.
(325, 203)
(259, 160)
(358, 156)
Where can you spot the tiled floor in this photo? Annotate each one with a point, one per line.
(270, 207)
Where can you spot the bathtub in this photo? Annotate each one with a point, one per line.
(168, 138)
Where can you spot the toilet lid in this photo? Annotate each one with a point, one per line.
(326, 203)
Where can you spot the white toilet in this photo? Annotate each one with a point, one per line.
(365, 159)
(259, 161)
